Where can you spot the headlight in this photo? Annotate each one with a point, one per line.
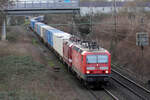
(106, 72)
(88, 72)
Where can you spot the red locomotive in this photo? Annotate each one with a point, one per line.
(87, 60)
(90, 63)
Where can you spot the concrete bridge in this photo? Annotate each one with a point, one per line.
(31, 7)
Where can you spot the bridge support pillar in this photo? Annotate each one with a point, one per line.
(8, 20)
(4, 30)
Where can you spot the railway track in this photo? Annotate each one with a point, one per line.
(96, 94)
(112, 95)
(136, 89)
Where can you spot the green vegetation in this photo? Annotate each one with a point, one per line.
(18, 65)
(16, 73)
(51, 64)
(34, 42)
(26, 23)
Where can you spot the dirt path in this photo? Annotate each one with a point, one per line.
(48, 85)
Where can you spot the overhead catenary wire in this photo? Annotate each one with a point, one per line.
(100, 31)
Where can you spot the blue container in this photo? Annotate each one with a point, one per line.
(32, 23)
(49, 35)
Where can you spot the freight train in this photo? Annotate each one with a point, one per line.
(89, 62)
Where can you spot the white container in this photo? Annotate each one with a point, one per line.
(58, 42)
(43, 30)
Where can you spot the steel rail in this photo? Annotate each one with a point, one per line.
(138, 85)
(106, 91)
(93, 94)
(109, 93)
(130, 89)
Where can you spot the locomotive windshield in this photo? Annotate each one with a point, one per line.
(96, 59)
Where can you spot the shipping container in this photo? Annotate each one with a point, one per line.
(43, 30)
(37, 27)
(58, 40)
(49, 35)
(32, 23)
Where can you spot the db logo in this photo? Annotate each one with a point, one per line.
(97, 67)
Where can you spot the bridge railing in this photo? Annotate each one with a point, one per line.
(44, 4)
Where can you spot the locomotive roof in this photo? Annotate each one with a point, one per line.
(80, 48)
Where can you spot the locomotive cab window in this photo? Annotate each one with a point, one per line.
(96, 59)
(102, 59)
(91, 59)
